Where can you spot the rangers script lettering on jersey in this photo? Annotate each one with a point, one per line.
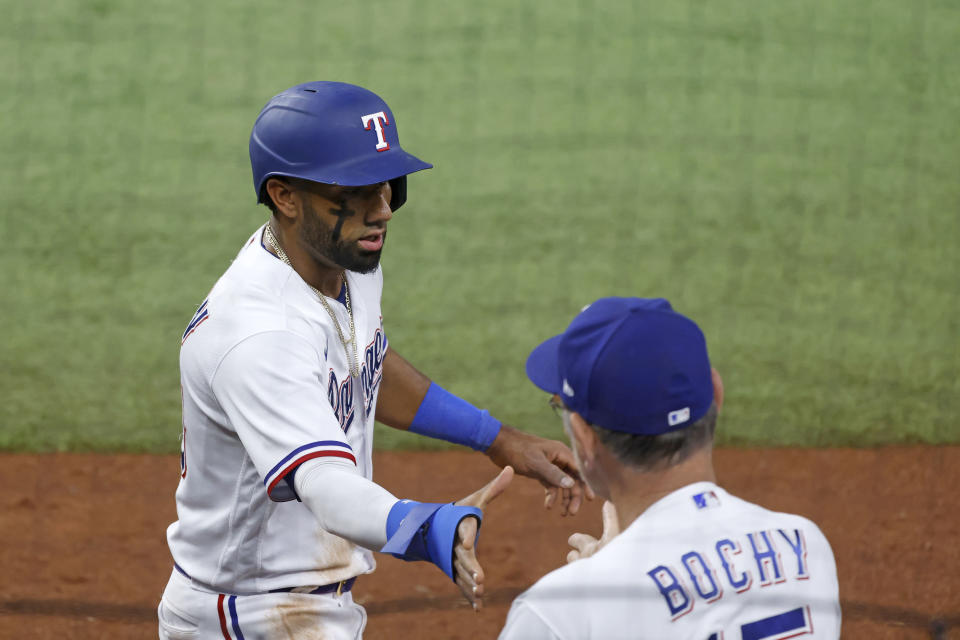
(699, 563)
(240, 528)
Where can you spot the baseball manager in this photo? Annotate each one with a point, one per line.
(639, 400)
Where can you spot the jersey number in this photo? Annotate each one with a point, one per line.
(789, 624)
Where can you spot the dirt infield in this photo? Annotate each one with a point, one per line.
(84, 553)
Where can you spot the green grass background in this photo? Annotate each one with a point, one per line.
(786, 173)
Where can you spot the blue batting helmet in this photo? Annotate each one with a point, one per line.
(332, 133)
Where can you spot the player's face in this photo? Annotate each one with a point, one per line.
(345, 226)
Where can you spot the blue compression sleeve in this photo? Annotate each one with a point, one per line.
(426, 531)
(444, 416)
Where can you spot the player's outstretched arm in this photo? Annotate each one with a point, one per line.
(549, 461)
(402, 389)
(352, 507)
(445, 534)
(409, 400)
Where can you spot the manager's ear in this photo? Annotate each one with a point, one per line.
(585, 439)
(717, 387)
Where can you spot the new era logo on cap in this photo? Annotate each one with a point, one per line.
(678, 417)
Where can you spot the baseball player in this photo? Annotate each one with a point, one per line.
(283, 368)
(679, 556)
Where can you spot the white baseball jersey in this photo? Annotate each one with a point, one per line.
(700, 564)
(266, 386)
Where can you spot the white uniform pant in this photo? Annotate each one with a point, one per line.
(191, 611)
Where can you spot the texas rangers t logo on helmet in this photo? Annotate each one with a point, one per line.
(375, 118)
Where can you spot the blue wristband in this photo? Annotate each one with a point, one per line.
(426, 531)
(444, 416)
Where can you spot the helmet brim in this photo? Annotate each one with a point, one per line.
(358, 172)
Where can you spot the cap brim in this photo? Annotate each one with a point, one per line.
(543, 367)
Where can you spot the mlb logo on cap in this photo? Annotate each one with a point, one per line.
(678, 417)
(637, 366)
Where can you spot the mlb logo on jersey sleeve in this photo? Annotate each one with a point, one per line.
(706, 500)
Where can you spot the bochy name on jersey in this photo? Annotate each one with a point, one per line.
(731, 566)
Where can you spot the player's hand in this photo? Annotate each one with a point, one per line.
(470, 577)
(549, 461)
(585, 545)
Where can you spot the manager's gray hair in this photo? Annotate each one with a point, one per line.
(654, 453)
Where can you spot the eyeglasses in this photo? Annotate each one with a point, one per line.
(557, 406)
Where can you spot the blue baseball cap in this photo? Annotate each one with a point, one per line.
(628, 364)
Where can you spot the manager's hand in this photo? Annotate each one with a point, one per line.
(585, 545)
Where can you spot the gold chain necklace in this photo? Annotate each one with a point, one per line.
(352, 360)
